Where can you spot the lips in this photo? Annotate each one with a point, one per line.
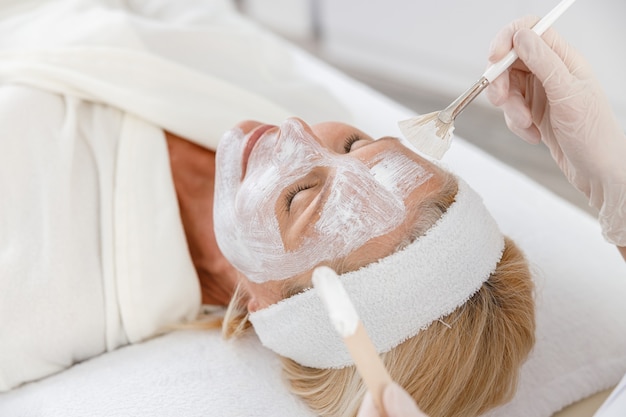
(253, 138)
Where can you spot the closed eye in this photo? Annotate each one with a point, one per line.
(350, 140)
(291, 194)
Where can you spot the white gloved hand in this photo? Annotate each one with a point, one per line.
(397, 403)
(551, 95)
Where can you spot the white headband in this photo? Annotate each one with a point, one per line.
(397, 296)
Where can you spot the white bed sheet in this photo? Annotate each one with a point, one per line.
(579, 279)
(185, 373)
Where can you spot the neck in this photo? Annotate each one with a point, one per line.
(193, 173)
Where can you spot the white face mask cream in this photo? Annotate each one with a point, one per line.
(361, 201)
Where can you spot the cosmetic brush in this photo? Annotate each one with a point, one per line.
(431, 133)
(346, 321)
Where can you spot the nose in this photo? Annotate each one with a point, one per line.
(286, 131)
(307, 128)
(248, 126)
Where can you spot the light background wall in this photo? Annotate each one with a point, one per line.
(441, 47)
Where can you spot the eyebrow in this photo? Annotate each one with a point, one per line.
(387, 138)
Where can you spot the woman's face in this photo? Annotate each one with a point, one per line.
(291, 197)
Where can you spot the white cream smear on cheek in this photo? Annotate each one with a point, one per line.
(362, 203)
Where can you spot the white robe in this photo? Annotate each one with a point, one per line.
(92, 250)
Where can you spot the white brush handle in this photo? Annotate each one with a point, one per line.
(495, 70)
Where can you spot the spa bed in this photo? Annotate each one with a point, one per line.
(579, 356)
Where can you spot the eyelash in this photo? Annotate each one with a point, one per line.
(347, 143)
(291, 194)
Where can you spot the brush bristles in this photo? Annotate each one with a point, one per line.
(428, 134)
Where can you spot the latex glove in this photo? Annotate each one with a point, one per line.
(397, 403)
(551, 95)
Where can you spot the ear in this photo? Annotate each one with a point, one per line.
(253, 304)
(257, 296)
(248, 295)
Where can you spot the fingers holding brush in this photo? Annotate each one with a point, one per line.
(510, 90)
(551, 94)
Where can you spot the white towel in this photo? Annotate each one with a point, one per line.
(92, 249)
(187, 374)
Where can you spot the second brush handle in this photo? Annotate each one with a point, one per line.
(495, 70)
(369, 365)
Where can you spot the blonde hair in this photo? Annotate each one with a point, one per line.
(461, 365)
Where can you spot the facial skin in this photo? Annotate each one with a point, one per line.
(292, 197)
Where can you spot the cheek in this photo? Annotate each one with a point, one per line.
(357, 210)
(255, 210)
(369, 203)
